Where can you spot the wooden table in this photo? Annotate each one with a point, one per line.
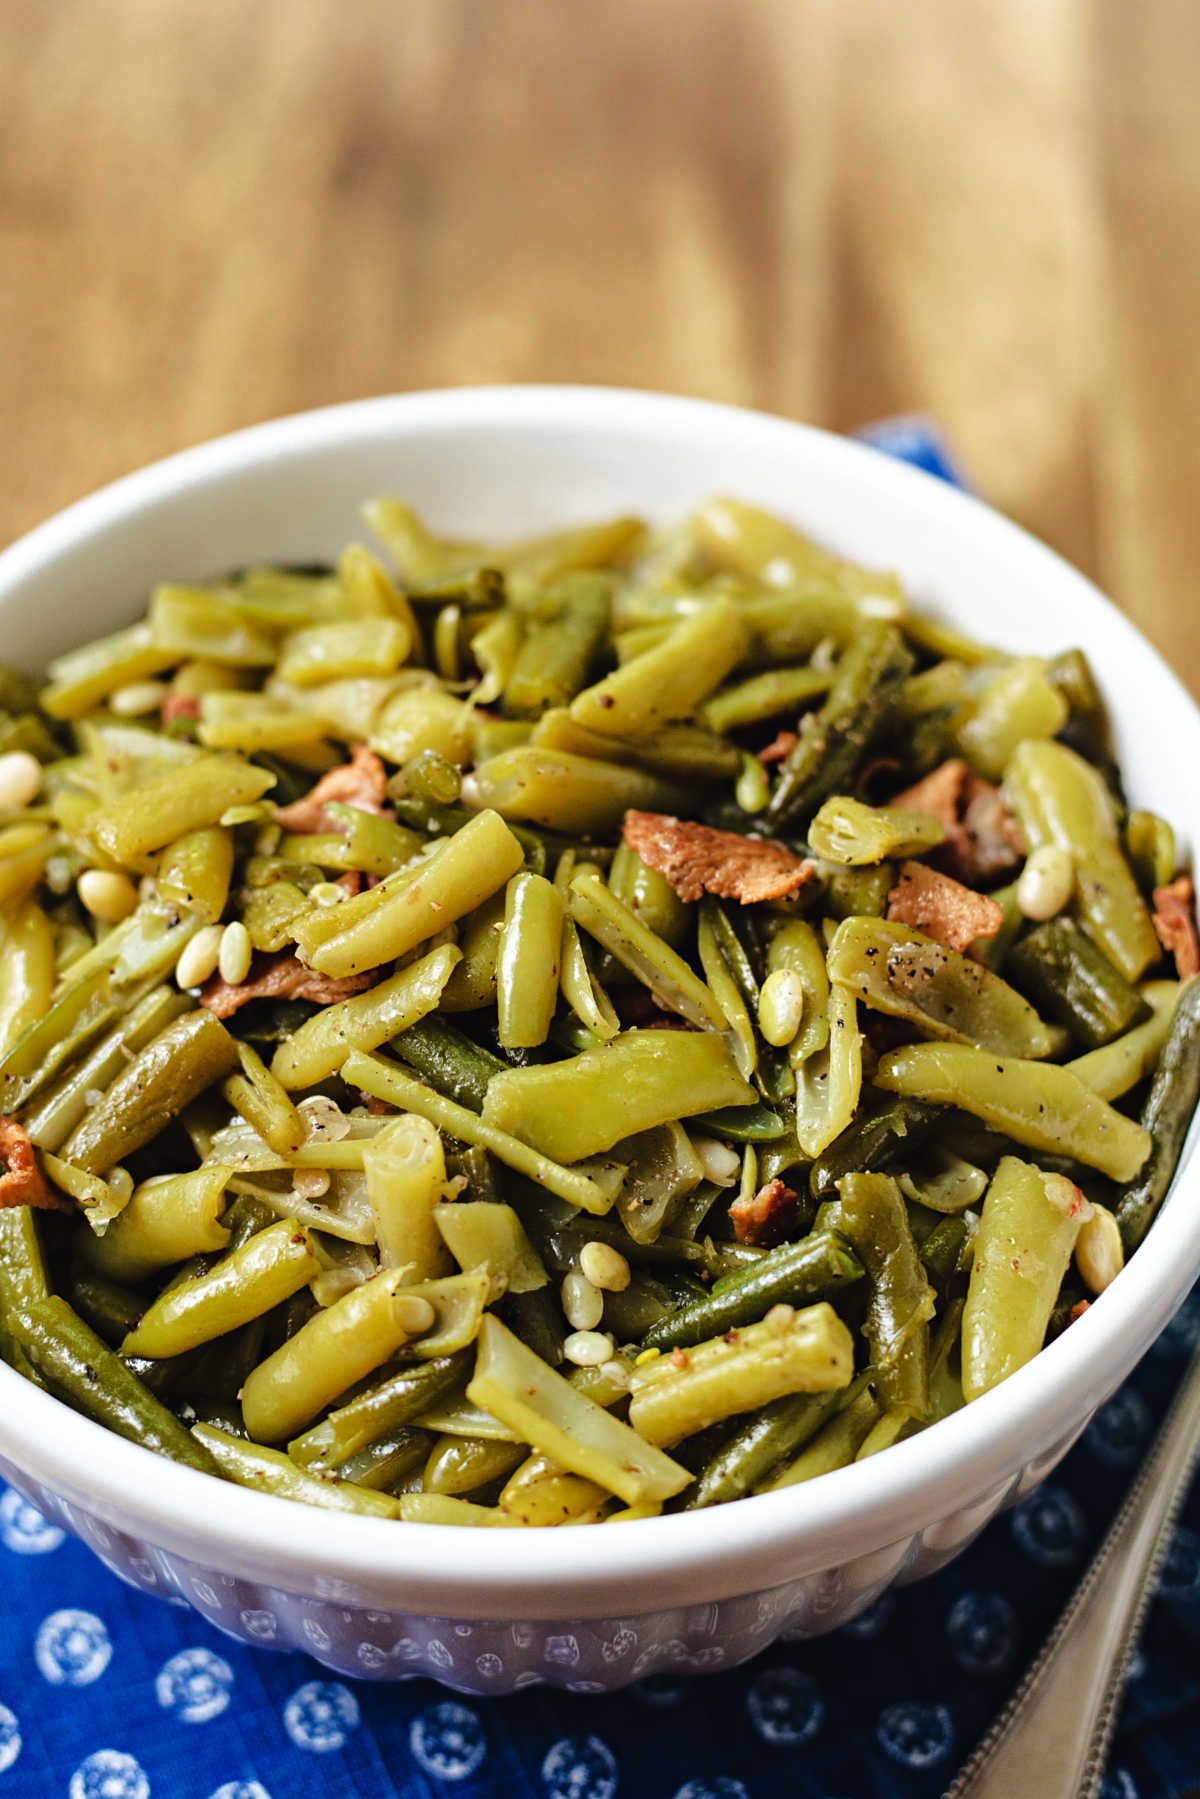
(988, 210)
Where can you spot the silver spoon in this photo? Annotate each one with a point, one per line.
(1052, 1737)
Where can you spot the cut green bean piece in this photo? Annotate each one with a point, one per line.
(364, 1021)
(1166, 1118)
(775, 691)
(168, 1219)
(1073, 981)
(163, 1078)
(870, 1212)
(669, 681)
(877, 1140)
(1121, 1064)
(486, 1235)
(641, 1079)
(449, 1061)
(560, 791)
(406, 1180)
(795, 1274)
(527, 968)
(653, 962)
(187, 799)
(1150, 846)
(244, 1284)
(847, 832)
(1023, 1247)
(894, 969)
(1036, 1103)
(836, 1443)
(766, 1439)
(269, 1471)
(396, 1401)
(552, 1416)
(562, 641)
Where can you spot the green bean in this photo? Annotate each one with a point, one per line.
(244, 1284)
(1061, 799)
(649, 896)
(763, 696)
(851, 834)
(85, 677)
(634, 944)
(406, 1178)
(1166, 1117)
(566, 792)
(394, 1008)
(1074, 981)
(22, 1265)
(26, 973)
(80, 1368)
(870, 1212)
(1027, 1231)
(487, 1235)
(728, 995)
(390, 1461)
(829, 1083)
(409, 907)
(168, 1219)
(561, 644)
(386, 1081)
(1121, 1064)
(767, 1438)
(837, 1442)
(258, 1097)
(552, 1416)
(472, 983)
(111, 1310)
(449, 1061)
(459, 1465)
(1150, 847)
(663, 1169)
(825, 758)
(1035, 1103)
(187, 799)
(268, 1471)
(948, 1250)
(195, 871)
(641, 1079)
(668, 681)
(795, 1274)
(897, 970)
(184, 1059)
(361, 841)
(810, 1351)
(527, 968)
(1087, 728)
(395, 1402)
(1018, 705)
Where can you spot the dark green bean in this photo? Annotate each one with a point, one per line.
(876, 1140)
(562, 642)
(795, 1274)
(388, 1461)
(111, 1310)
(870, 1212)
(448, 1060)
(764, 1440)
(397, 1400)
(1071, 980)
(81, 1369)
(162, 1079)
(1166, 1115)
(828, 753)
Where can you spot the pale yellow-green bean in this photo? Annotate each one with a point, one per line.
(1115, 1067)
(422, 717)
(847, 832)
(186, 799)
(198, 622)
(252, 721)
(562, 791)
(246, 1283)
(194, 871)
(660, 968)
(483, 1234)
(263, 1102)
(669, 681)
(527, 967)
(1027, 1231)
(319, 1047)
(553, 1417)
(444, 1508)
(169, 1218)
(85, 677)
(342, 651)
(404, 910)
(334, 1350)
(728, 996)
(829, 1081)
(270, 1471)
(586, 1104)
(540, 1493)
(406, 1180)
(1018, 705)
(26, 972)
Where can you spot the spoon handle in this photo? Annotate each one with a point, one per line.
(1052, 1737)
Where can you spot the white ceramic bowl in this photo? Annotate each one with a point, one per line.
(488, 1611)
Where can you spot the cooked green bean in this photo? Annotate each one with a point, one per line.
(392, 1009)
(244, 1284)
(1027, 1231)
(646, 956)
(397, 1401)
(847, 832)
(527, 966)
(165, 1076)
(1165, 1119)
(269, 1471)
(560, 791)
(870, 1213)
(1073, 981)
(795, 1274)
(1116, 1067)
(405, 1167)
(169, 1218)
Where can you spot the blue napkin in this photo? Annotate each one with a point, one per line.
(108, 1694)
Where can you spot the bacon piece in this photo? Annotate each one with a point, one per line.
(361, 782)
(1175, 922)
(943, 908)
(22, 1182)
(779, 748)
(768, 1218)
(983, 839)
(695, 859)
(279, 977)
(180, 705)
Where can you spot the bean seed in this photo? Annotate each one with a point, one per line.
(198, 957)
(588, 1349)
(604, 1266)
(235, 954)
(1099, 1255)
(20, 780)
(1046, 882)
(107, 894)
(781, 1007)
(583, 1304)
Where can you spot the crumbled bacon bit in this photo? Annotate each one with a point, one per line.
(983, 839)
(22, 1182)
(375, 1106)
(1077, 1310)
(679, 1357)
(779, 748)
(180, 705)
(696, 859)
(361, 782)
(768, 1218)
(944, 909)
(279, 977)
(350, 883)
(1175, 922)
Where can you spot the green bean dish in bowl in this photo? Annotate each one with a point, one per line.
(574, 1028)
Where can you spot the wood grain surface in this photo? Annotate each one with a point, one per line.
(988, 210)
